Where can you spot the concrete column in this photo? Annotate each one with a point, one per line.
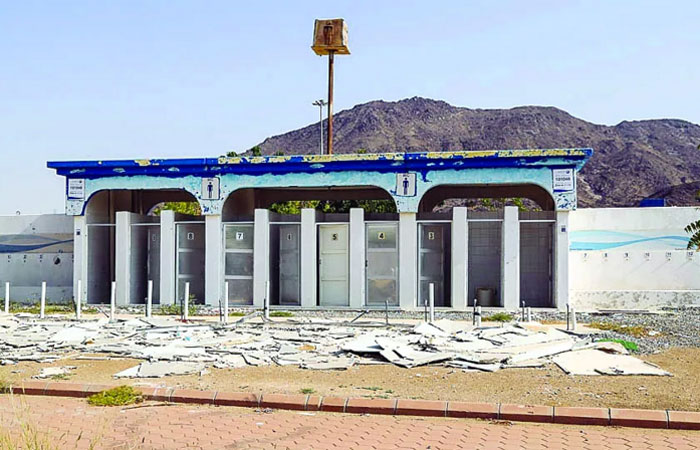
(510, 264)
(357, 257)
(561, 260)
(80, 256)
(213, 260)
(460, 232)
(261, 256)
(309, 259)
(408, 260)
(122, 263)
(168, 253)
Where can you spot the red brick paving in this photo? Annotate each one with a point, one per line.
(71, 423)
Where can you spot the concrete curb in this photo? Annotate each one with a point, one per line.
(638, 418)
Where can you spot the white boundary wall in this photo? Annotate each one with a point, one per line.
(632, 258)
(36, 248)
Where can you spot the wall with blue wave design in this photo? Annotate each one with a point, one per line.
(647, 240)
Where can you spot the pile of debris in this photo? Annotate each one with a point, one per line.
(172, 347)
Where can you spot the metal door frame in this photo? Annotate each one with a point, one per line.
(113, 254)
(156, 285)
(550, 259)
(223, 277)
(186, 250)
(318, 261)
(299, 261)
(418, 247)
(396, 250)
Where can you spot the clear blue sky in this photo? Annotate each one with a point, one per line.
(125, 79)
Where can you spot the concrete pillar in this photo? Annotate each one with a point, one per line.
(408, 262)
(510, 264)
(309, 259)
(80, 256)
(357, 257)
(122, 263)
(168, 253)
(261, 256)
(460, 232)
(213, 260)
(561, 260)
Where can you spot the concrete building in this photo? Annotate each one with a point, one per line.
(315, 260)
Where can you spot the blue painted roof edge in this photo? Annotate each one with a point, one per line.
(383, 162)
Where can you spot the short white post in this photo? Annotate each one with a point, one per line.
(225, 318)
(478, 316)
(78, 300)
(113, 301)
(42, 305)
(573, 319)
(186, 302)
(431, 302)
(529, 314)
(266, 304)
(149, 299)
(7, 297)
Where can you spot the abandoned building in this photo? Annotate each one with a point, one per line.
(315, 260)
(242, 247)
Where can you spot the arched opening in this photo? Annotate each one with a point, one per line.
(485, 241)
(143, 233)
(331, 234)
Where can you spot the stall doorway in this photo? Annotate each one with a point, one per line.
(382, 264)
(238, 266)
(333, 265)
(434, 262)
(285, 244)
(101, 242)
(484, 262)
(536, 262)
(145, 261)
(190, 261)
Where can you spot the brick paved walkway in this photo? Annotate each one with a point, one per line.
(71, 423)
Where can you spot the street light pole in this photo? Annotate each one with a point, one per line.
(320, 103)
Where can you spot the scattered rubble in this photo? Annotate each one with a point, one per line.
(172, 347)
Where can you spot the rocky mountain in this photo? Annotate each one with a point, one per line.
(633, 159)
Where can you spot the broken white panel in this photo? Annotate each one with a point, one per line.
(597, 362)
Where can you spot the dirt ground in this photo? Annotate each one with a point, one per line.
(548, 386)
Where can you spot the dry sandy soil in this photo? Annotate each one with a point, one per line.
(548, 386)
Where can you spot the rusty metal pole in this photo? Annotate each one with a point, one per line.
(329, 133)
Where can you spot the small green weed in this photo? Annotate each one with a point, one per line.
(176, 310)
(630, 330)
(630, 346)
(60, 376)
(281, 314)
(118, 396)
(236, 314)
(307, 390)
(498, 317)
(371, 388)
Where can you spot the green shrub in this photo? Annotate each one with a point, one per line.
(176, 310)
(498, 317)
(307, 390)
(118, 396)
(281, 314)
(630, 330)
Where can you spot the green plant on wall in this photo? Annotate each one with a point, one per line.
(334, 206)
(189, 208)
(694, 230)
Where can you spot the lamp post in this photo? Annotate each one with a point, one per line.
(320, 103)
